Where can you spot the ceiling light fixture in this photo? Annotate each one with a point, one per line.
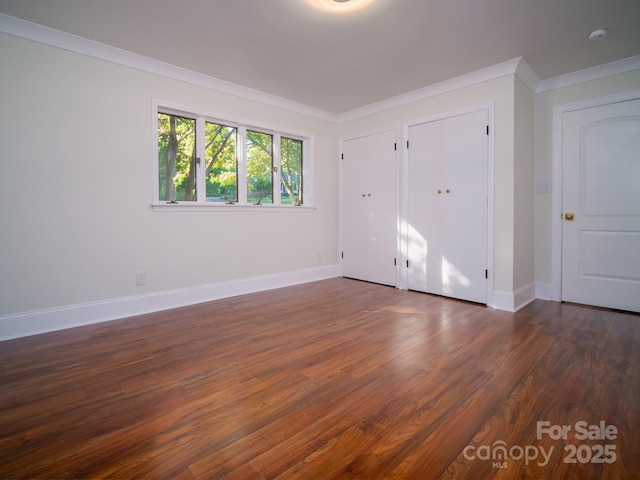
(597, 35)
(339, 6)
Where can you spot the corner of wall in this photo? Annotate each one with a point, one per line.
(514, 301)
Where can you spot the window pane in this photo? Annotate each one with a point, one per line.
(221, 163)
(291, 165)
(259, 168)
(176, 158)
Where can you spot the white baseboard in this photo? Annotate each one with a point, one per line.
(513, 301)
(524, 296)
(49, 320)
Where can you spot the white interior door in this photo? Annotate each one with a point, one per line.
(601, 205)
(448, 207)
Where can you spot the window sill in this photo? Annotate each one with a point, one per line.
(209, 207)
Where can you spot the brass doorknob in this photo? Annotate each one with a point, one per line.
(568, 216)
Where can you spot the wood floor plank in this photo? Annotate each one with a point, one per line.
(310, 426)
(331, 379)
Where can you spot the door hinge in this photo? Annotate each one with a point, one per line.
(407, 263)
(486, 274)
(487, 129)
(407, 143)
(341, 254)
(342, 156)
(395, 262)
(395, 146)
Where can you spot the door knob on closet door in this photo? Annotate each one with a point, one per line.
(448, 191)
(568, 216)
(439, 192)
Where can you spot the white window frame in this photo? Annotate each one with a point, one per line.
(201, 203)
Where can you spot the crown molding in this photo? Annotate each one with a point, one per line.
(66, 41)
(517, 66)
(588, 74)
(489, 73)
(525, 73)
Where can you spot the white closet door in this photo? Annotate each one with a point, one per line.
(425, 211)
(381, 199)
(448, 208)
(369, 218)
(354, 208)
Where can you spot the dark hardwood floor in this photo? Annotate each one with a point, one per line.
(332, 379)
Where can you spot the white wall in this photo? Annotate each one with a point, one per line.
(545, 103)
(76, 188)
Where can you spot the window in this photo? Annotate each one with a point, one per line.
(291, 171)
(204, 161)
(176, 158)
(260, 168)
(221, 163)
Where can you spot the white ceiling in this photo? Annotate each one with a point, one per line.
(340, 62)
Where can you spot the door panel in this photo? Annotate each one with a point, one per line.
(383, 231)
(354, 209)
(601, 188)
(426, 206)
(447, 209)
(370, 234)
(465, 241)
(609, 255)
